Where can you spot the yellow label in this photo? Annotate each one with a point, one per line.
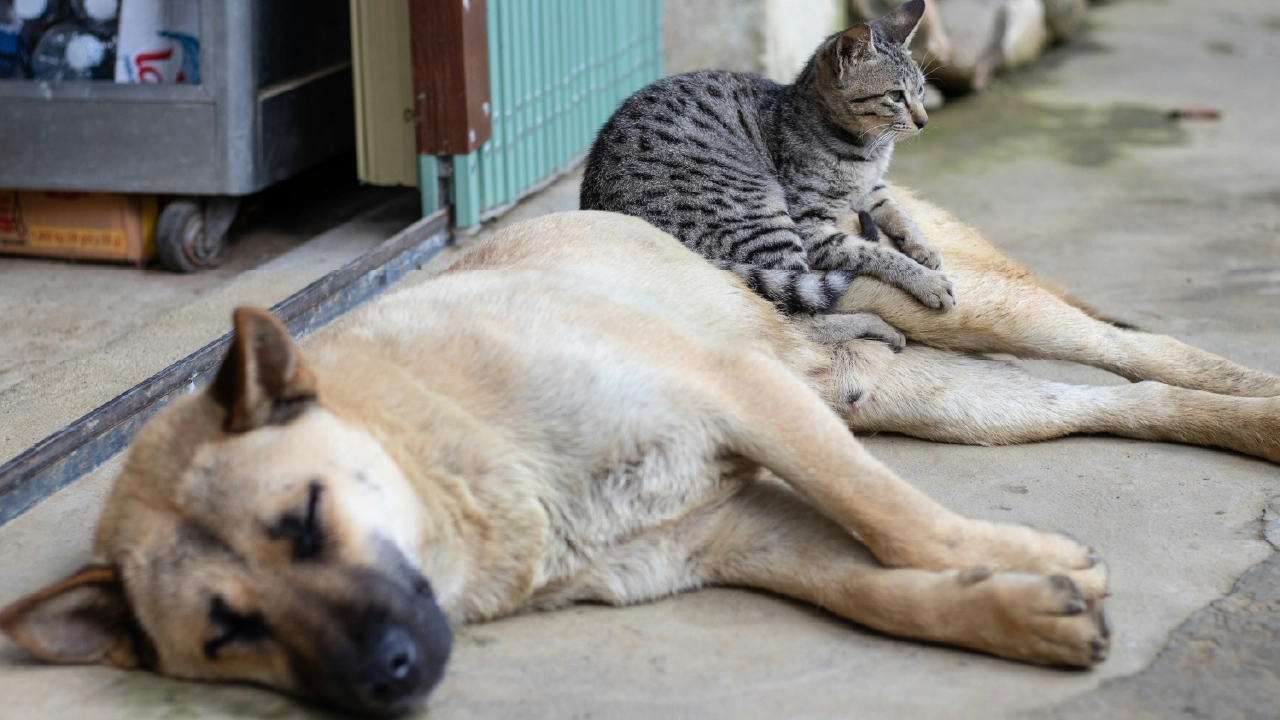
(88, 239)
(150, 214)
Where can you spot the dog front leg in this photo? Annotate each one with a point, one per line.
(771, 418)
(949, 397)
(766, 537)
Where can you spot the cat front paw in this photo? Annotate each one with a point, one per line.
(920, 251)
(837, 329)
(933, 289)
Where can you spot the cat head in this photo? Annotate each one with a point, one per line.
(865, 81)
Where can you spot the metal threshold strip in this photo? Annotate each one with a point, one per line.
(76, 450)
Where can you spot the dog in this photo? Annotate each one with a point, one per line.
(583, 410)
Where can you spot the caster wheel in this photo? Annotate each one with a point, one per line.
(183, 241)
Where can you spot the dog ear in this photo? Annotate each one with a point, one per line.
(264, 380)
(900, 25)
(83, 620)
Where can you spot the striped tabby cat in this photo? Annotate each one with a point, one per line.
(755, 175)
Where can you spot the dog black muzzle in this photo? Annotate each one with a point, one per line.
(380, 650)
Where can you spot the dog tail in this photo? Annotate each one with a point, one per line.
(1085, 307)
(868, 228)
(1096, 314)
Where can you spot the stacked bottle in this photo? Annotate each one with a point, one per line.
(13, 49)
(60, 40)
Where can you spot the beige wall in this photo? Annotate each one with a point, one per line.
(773, 37)
(726, 34)
(793, 29)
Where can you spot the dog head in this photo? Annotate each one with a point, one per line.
(254, 536)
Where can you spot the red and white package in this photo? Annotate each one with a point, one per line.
(159, 42)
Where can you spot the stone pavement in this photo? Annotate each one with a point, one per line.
(1076, 170)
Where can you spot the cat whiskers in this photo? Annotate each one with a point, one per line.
(872, 129)
(934, 65)
(884, 138)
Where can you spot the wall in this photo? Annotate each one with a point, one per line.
(772, 37)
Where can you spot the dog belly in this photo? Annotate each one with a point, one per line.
(628, 538)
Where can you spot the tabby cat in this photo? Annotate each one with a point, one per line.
(755, 176)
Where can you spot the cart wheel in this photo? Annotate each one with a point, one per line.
(181, 240)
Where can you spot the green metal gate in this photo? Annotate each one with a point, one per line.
(557, 70)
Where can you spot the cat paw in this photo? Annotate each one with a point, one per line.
(932, 288)
(842, 328)
(921, 252)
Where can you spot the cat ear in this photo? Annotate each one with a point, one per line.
(853, 45)
(900, 25)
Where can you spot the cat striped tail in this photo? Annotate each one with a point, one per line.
(793, 291)
(796, 291)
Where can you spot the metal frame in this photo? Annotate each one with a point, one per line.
(207, 139)
(557, 71)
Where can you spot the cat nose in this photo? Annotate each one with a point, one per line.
(920, 120)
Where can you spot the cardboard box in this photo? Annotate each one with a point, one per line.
(78, 225)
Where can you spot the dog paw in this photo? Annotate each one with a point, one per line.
(1017, 548)
(933, 289)
(1043, 619)
(1005, 548)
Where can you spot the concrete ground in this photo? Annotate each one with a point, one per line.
(75, 335)
(1076, 170)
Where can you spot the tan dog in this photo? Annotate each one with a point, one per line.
(584, 410)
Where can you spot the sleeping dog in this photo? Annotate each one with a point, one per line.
(583, 410)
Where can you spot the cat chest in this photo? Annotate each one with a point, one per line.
(837, 185)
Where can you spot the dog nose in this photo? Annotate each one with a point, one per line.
(391, 673)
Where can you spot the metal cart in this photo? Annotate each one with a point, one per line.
(274, 99)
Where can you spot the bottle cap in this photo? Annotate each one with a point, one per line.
(30, 9)
(101, 10)
(85, 51)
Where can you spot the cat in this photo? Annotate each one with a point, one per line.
(755, 176)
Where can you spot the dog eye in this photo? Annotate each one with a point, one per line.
(897, 95)
(303, 530)
(236, 627)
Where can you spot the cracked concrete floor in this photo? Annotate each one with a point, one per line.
(1073, 168)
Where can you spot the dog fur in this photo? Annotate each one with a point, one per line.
(583, 410)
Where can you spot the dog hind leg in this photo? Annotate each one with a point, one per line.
(768, 538)
(949, 397)
(1004, 308)
(773, 419)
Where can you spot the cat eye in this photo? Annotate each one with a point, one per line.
(236, 627)
(897, 95)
